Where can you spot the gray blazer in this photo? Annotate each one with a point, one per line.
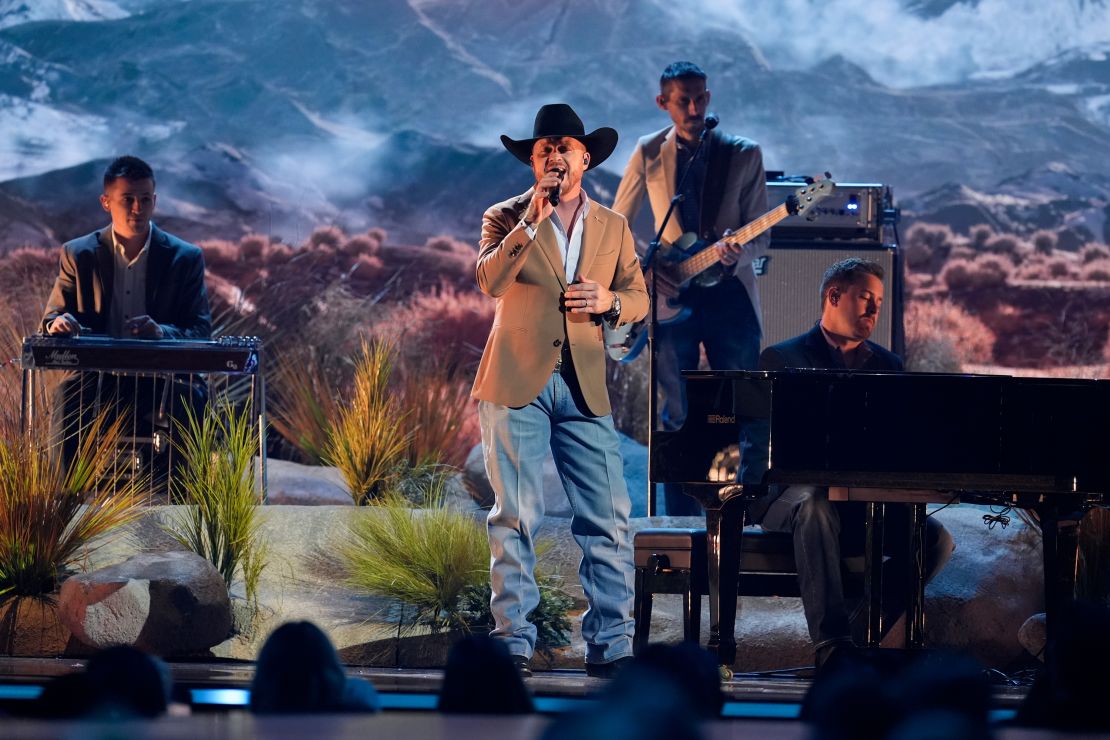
(176, 296)
(651, 172)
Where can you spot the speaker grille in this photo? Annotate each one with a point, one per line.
(790, 285)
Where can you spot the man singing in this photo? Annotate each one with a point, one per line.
(558, 264)
(726, 189)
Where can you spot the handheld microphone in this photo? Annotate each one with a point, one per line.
(553, 194)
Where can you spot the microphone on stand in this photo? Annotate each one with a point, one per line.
(553, 194)
(711, 121)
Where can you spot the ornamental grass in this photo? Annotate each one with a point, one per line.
(436, 561)
(424, 558)
(216, 481)
(304, 406)
(368, 440)
(50, 515)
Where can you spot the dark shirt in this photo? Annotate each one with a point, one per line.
(689, 208)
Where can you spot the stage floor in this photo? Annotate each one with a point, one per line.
(223, 685)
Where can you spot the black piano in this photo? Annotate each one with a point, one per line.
(1034, 443)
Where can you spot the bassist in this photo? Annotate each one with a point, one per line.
(726, 189)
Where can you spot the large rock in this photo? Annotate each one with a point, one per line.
(305, 485)
(165, 603)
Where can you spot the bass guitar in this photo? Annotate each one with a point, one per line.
(692, 261)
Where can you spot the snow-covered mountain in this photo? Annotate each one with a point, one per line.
(279, 116)
(16, 12)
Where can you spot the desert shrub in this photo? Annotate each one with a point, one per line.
(303, 403)
(50, 513)
(330, 237)
(367, 441)
(550, 619)
(941, 337)
(219, 255)
(366, 272)
(378, 234)
(978, 236)
(360, 245)
(962, 252)
(450, 245)
(984, 273)
(927, 246)
(252, 247)
(1094, 252)
(1044, 241)
(26, 277)
(436, 404)
(277, 253)
(1005, 245)
(1098, 270)
(220, 521)
(1060, 268)
(445, 324)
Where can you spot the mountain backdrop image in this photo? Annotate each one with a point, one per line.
(283, 126)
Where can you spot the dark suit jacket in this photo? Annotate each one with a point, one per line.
(809, 350)
(176, 296)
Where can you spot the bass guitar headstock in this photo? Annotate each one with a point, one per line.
(805, 198)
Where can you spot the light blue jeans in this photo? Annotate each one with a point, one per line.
(587, 456)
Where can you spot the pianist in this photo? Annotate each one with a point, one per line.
(825, 532)
(558, 264)
(128, 280)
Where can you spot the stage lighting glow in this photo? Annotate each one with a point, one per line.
(222, 697)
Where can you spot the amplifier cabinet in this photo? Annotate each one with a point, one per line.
(790, 275)
(853, 211)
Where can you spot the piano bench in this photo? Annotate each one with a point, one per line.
(673, 561)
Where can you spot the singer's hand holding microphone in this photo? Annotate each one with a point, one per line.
(545, 197)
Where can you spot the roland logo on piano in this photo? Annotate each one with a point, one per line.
(720, 419)
(62, 357)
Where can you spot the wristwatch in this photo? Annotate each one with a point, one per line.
(614, 312)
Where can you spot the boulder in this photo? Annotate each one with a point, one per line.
(1033, 635)
(166, 603)
(305, 485)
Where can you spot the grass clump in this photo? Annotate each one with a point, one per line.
(367, 441)
(220, 521)
(425, 558)
(49, 513)
(436, 560)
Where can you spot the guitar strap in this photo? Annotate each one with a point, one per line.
(713, 191)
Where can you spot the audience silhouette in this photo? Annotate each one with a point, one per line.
(298, 671)
(481, 678)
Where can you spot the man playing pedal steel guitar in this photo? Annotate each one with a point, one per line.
(128, 280)
(558, 265)
(726, 189)
(825, 532)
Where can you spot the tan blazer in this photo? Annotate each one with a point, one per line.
(651, 172)
(529, 324)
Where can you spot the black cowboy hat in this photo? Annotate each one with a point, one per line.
(559, 120)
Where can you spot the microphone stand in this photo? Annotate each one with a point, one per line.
(653, 320)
